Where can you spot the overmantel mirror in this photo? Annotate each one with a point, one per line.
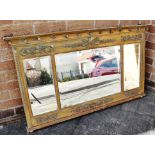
(66, 75)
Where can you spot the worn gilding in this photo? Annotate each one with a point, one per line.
(51, 44)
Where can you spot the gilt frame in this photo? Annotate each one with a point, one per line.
(31, 46)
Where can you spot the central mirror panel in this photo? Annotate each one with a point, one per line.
(87, 75)
(38, 74)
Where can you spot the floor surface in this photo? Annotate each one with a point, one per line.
(135, 117)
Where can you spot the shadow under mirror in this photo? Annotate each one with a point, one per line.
(87, 75)
(131, 66)
(38, 72)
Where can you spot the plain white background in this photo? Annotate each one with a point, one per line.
(79, 9)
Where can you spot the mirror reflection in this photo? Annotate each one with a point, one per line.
(38, 73)
(88, 74)
(131, 66)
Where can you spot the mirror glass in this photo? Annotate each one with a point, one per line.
(38, 74)
(87, 75)
(131, 66)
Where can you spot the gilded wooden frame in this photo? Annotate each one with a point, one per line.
(50, 44)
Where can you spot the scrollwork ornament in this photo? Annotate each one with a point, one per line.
(132, 37)
(36, 49)
(90, 41)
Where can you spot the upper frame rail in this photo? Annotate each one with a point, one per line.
(119, 28)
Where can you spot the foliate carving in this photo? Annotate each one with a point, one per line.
(132, 37)
(90, 41)
(48, 118)
(129, 93)
(92, 106)
(36, 49)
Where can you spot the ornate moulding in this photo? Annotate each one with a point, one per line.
(30, 47)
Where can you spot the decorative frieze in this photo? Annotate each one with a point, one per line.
(131, 37)
(36, 49)
(47, 118)
(90, 41)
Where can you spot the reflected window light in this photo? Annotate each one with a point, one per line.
(131, 66)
